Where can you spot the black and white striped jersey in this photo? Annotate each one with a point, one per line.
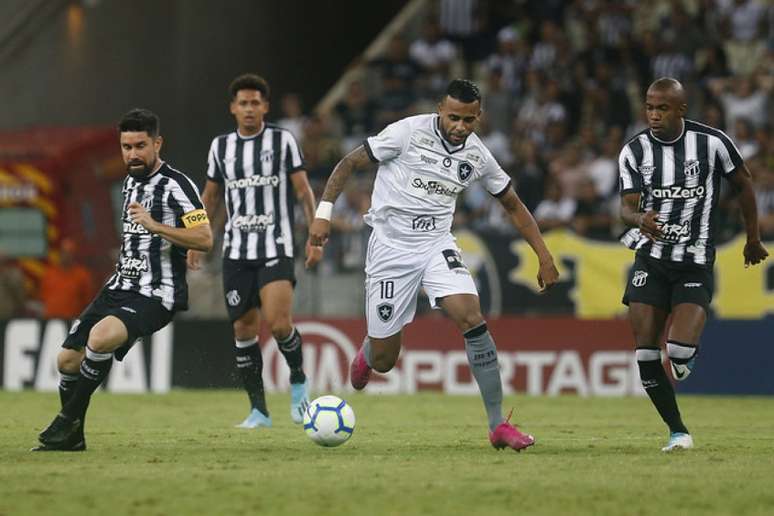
(149, 264)
(255, 174)
(681, 181)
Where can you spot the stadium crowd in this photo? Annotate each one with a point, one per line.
(563, 85)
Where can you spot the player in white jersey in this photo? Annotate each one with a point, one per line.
(425, 162)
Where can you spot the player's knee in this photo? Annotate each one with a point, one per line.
(106, 336)
(470, 320)
(281, 328)
(68, 361)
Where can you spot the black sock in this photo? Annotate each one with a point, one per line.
(250, 366)
(659, 388)
(67, 383)
(94, 369)
(291, 350)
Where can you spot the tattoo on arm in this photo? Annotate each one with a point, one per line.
(357, 159)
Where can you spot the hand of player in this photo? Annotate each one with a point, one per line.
(314, 254)
(193, 259)
(547, 276)
(649, 225)
(319, 232)
(140, 215)
(754, 253)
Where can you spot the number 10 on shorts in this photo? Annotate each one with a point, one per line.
(386, 289)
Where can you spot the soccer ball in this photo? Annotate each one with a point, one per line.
(329, 421)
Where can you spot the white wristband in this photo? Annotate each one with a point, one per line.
(324, 210)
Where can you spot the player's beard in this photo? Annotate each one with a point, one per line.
(140, 173)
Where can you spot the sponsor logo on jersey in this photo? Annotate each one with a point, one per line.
(428, 159)
(678, 192)
(252, 182)
(133, 228)
(473, 157)
(464, 171)
(423, 223)
(447, 162)
(253, 223)
(132, 267)
(675, 232)
(640, 278)
(433, 187)
(691, 168)
(426, 141)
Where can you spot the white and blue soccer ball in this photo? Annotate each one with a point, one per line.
(329, 421)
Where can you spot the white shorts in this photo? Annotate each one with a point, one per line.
(394, 276)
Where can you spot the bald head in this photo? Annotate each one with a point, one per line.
(665, 108)
(669, 87)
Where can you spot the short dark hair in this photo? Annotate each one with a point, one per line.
(463, 90)
(249, 81)
(139, 120)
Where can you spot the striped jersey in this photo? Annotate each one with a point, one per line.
(255, 174)
(149, 264)
(681, 181)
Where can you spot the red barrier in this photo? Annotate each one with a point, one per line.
(537, 356)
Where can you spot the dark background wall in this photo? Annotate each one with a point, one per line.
(88, 65)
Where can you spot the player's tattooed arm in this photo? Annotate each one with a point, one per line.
(523, 220)
(754, 252)
(647, 222)
(355, 160)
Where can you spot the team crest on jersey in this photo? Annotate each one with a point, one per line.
(640, 278)
(232, 297)
(267, 155)
(464, 170)
(384, 311)
(146, 202)
(646, 170)
(691, 168)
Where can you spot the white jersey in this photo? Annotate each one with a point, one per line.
(419, 178)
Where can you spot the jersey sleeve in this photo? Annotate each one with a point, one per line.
(496, 181)
(629, 179)
(294, 158)
(389, 143)
(185, 200)
(728, 156)
(214, 166)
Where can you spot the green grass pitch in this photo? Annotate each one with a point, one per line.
(424, 454)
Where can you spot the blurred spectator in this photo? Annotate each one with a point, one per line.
(744, 138)
(349, 237)
(292, 115)
(435, 56)
(357, 115)
(395, 102)
(746, 22)
(321, 150)
(67, 286)
(498, 102)
(13, 293)
(463, 22)
(397, 65)
(603, 169)
(496, 141)
(510, 61)
(592, 216)
(556, 209)
(763, 182)
(745, 101)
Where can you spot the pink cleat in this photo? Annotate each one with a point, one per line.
(507, 435)
(359, 372)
